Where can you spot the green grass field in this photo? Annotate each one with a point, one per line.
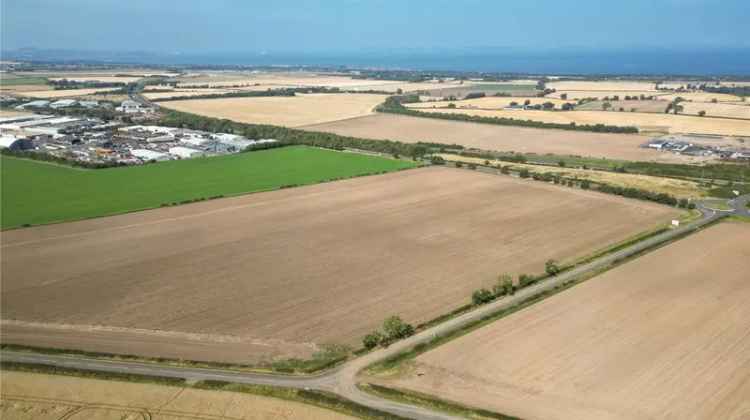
(14, 81)
(38, 193)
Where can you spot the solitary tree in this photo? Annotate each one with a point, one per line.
(702, 113)
(395, 329)
(481, 296)
(551, 267)
(606, 106)
(371, 340)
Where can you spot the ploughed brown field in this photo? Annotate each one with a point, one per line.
(666, 336)
(274, 274)
(498, 137)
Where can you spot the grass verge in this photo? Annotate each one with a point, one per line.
(425, 400)
(320, 399)
(329, 357)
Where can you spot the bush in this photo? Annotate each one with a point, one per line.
(437, 160)
(525, 280)
(524, 173)
(481, 296)
(504, 285)
(371, 340)
(551, 267)
(396, 329)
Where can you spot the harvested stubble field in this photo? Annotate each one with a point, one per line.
(676, 187)
(490, 102)
(666, 123)
(701, 97)
(34, 396)
(497, 137)
(664, 336)
(739, 110)
(288, 111)
(601, 94)
(657, 106)
(277, 273)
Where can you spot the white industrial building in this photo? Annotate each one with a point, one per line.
(129, 107)
(63, 103)
(185, 152)
(147, 155)
(15, 143)
(33, 104)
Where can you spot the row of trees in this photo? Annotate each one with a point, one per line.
(505, 286)
(393, 105)
(290, 135)
(394, 329)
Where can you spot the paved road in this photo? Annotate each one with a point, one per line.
(342, 380)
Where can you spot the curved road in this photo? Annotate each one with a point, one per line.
(342, 380)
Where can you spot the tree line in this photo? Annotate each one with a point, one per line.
(394, 105)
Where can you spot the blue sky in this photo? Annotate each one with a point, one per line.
(345, 25)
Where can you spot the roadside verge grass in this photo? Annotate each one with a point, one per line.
(316, 398)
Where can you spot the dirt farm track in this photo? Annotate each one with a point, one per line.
(665, 336)
(274, 274)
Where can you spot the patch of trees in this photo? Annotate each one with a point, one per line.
(475, 95)
(65, 84)
(737, 90)
(394, 329)
(239, 94)
(394, 105)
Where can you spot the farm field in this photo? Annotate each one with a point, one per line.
(489, 88)
(664, 336)
(601, 94)
(61, 93)
(498, 137)
(34, 396)
(676, 187)
(665, 123)
(288, 111)
(489, 102)
(605, 85)
(639, 106)
(305, 79)
(281, 273)
(725, 110)
(701, 97)
(62, 193)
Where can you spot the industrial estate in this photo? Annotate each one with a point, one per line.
(263, 242)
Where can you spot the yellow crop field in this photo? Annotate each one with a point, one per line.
(34, 396)
(726, 110)
(668, 123)
(489, 102)
(289, 111)
(701, 97)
